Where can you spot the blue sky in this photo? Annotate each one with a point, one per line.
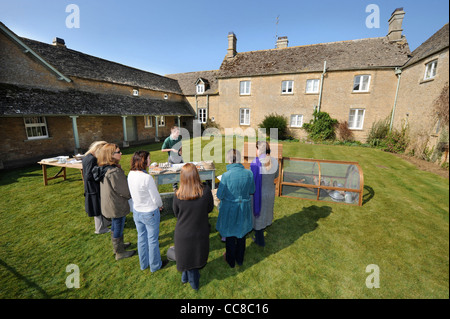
(185, 35)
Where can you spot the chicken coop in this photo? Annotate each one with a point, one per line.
(322, 180)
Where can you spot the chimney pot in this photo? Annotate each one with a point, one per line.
(59, 42)
(282, 42)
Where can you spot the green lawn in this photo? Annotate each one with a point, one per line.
(314, 249)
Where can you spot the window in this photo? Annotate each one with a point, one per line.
(361, 83)
(135, 92)
(312, 86)
(244, 116)
(244, 87)
(200, 88)
(161, 121)
(148, 120)
(356, 119)
(430, 70)
(287, 87)
(296, 120)
(201, 114)
(36, 127)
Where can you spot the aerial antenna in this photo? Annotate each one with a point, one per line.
(276, 28)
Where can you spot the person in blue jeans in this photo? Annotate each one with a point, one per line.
(146, 204)
(114, 195)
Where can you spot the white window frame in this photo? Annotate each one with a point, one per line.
(245, 87)
(135, 92)
(200, 88)
(202, 115)
(34, 126)
(361, 82)
(430, 70)
(287, 87)
(161, 121)
(311, 88)
(244, 116)
(148, 121)
(296, 120)
(353, 119)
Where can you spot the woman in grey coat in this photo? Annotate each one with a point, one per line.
(265, 171)
(114, 194)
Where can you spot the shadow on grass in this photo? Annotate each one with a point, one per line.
(29, 283)
(281, 234)
(368, 194)
(10, 176)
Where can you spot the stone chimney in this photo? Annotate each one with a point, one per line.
(59, 42)
(231, 52)
(282, 42)
(395, 25)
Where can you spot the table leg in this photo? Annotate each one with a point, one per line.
(44, 174)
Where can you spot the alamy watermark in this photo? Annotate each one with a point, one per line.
(373, 19)
(73, 280)
(73, 19)
(213, 150)
(373, 280)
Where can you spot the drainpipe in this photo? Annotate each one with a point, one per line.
(398, 72)
(207, 107)
(196, 107)
(321, 84)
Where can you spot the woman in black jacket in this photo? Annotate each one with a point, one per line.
(92, 189)
(192, 203)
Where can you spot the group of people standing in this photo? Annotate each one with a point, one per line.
(110, 195)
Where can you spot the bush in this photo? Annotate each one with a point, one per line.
(344, 133)
(378, 133)
(321, 127)
(209, 124)
(279, 122)
(396, 141)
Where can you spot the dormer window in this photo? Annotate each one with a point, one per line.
(200, 85)
(135, 92)
(200, 88)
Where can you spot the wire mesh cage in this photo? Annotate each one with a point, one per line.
(322, 180)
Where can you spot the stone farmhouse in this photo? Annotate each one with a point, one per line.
(358, 81)
(56, 100)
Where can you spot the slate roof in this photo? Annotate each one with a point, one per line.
(19, 100)
(187, 81)
(75, 63)
(436, 43)
(361, 54)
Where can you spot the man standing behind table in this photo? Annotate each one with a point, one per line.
(172, 145)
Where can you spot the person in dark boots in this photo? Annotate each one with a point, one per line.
(114, 194)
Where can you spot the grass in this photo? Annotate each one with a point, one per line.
(313, 249)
